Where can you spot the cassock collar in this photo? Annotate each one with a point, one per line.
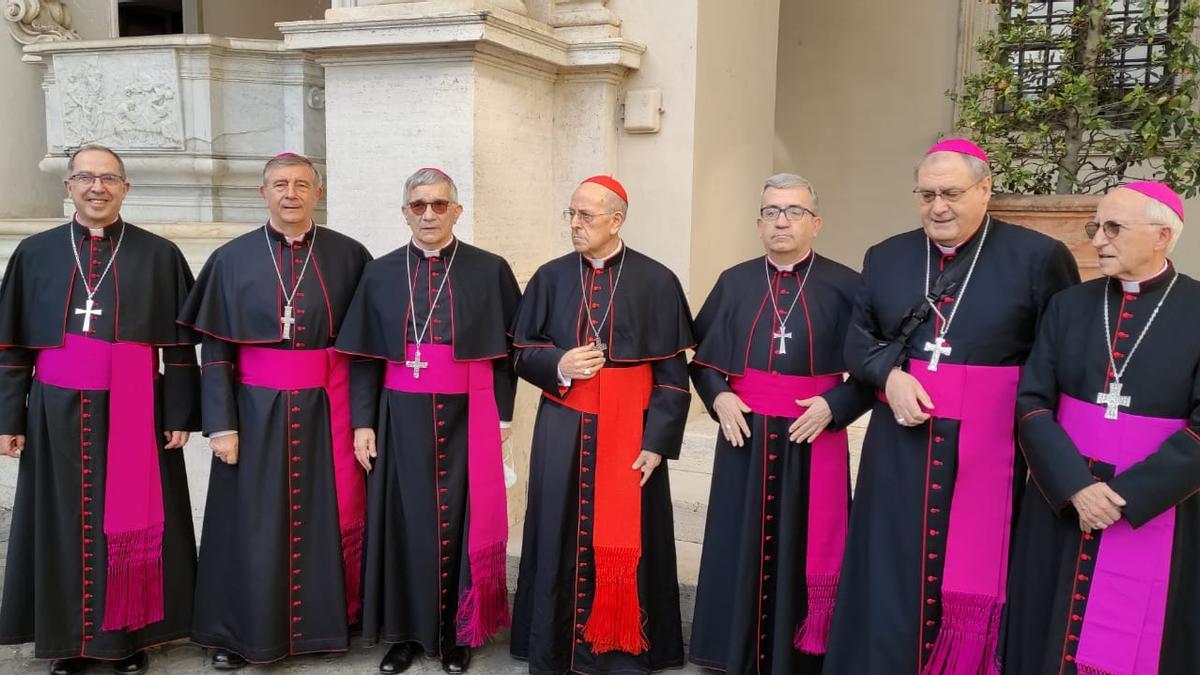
(110, 231)
(606, 261)
(1147, 285)
(792, 267)
(283, 238)
(951, 251)
(443, 252)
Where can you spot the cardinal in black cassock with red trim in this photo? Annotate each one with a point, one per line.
(602, 332)
(769, 369)
(102, 558)
(945, 320)
(1107, 548)
(434, 316)
(281, 551)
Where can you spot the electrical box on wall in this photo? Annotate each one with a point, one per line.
(643, 111)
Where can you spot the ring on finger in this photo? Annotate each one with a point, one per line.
(587, 371)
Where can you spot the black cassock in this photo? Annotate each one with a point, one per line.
(270, 581)
(886, 617)
(751, 595)
(649, 324)
(1163, 380)
(55, 586)
(421, 439)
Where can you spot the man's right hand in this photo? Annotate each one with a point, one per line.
(907, 398)
(1098, 505)
(364, 447)
(731, 413)
(581, 363)
(225, 448)
(12, 444)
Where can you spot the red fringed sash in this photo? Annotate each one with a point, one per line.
(619, 398)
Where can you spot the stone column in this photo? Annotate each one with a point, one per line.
(486, 90)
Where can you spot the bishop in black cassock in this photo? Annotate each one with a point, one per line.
(946, 318)
(1107, 547)
(771, 336)
(434, 317)
(280, 554)
(102, 558)
(602, 332)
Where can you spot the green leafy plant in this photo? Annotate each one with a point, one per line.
(1088, 121)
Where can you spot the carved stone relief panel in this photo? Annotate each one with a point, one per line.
(127, 100)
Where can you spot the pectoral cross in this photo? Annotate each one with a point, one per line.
(782, 335)
(287, 321)
(416, 364)
(88, 313)
(599, 345)
(1112, 400)
(939, 348)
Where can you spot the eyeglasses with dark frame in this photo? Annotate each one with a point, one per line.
(87, 179)
(793, 213)
(568, 215)
(1112, 229)
(439, 206)
(949, 196)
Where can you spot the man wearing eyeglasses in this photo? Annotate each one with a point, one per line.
(602, 331)
(769, 369)
(101, 559)
(433, 316)
(281, 550)
(1105, 553)
(946, 318)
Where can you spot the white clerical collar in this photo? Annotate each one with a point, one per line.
(1135, 287)
(96, 232)
(791, 267)
(598, 263)
(435, 253)
(290, 239)
(946, 250)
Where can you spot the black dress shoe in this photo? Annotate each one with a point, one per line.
(132, 665)
(398, 658)
(223, 659)
(457, 660)
(68, 666)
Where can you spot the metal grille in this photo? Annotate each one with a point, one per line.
(1134, 60)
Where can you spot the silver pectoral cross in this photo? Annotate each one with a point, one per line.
(939, 348)
(782, 335)
(287, 321)
(416, 364)
(88, 312)
(599, 345)
(1112, 400)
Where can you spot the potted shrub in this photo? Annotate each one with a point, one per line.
(1073, 97)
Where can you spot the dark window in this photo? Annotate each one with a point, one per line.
(137, 18)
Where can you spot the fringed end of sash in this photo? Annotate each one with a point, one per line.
(966, 643)
(133, 597)
(483, 608)
(1087, 669)
(615, 623)
(812, 636)
(352, 551)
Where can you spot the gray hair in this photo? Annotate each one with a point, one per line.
(429, 176)
(1161, 214)
(978, 168)
(290, 159)
(94, 147)
(615, 203)
(788, 181)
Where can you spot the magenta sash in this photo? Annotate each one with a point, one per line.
(828, 493)
(133, 500)
(983, 399)
(483, 608)
(326, 369)
(1127, 604)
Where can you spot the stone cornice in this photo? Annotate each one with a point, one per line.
(342, 40)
